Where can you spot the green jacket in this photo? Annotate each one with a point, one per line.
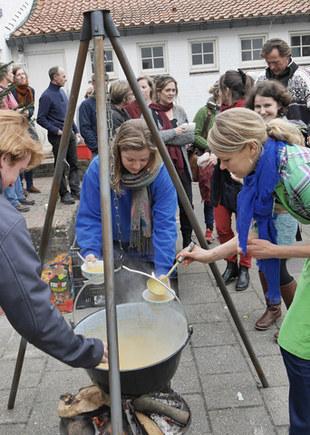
(201, 129)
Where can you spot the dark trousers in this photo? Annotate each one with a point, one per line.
(209, 215)
(298, 372)
(186, 227)
(71, 157)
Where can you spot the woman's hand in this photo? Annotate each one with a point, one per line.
(197, 254)
(261, 249)
(90, 258)
(180, 130)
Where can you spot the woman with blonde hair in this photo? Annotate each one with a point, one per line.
(24, 297)
(272, 167)
(146, 84)
(271, 100)
(143, 204)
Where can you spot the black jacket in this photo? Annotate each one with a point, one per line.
(25, 298)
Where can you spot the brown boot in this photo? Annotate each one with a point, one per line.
(272, 313)
(288, 292)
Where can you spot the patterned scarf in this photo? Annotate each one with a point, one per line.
(141, 213)
(24, 95)
(174, 150)
(255, 201)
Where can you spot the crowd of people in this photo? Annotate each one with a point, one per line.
(248, 150)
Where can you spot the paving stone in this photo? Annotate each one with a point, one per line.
(241, 421)
(282, 430)
(13, 429)
(200, 424)
(211, 334)
(196, 288)
(44, 419)
(220, 359)
(23, 406)
(30, 375)
(263, 342)
(186, 378)
(274, 370)
(198, 313)
(233, 390)
(276, 400)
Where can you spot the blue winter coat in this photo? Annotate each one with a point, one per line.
(164, 205)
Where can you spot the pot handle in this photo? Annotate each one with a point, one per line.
(190, 330)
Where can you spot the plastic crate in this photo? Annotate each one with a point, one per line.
(92, 295)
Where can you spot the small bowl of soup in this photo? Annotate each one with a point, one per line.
(93, 271)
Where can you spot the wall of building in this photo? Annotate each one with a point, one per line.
(193, 87)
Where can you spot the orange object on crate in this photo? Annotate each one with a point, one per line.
(83, 152)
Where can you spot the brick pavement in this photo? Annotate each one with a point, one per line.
(215, 375)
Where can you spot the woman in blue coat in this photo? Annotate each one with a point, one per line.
(146, 200)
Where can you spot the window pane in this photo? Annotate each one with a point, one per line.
(306, 40)
(257, 43)
(159, 62)
(256, 54)
(146, 52)
(306, 51)
(296, 51)
(246, 55)
(108, 55)
(295, 40)
(109, 67)
(208, 47)
(208, 58)
(158, 51)
(196, 48)
(197, 59)
(245, 44)
(147, 64)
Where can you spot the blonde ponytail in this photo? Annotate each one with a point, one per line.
(285, 131)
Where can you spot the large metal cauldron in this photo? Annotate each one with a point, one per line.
(164, 323)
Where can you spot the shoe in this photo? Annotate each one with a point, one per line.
(27, 201)
(243, 279)
(33, 189)
(231, 272)
(209, 236)
(22, 209)
(272, 313)
(75, 196)
(67, 199)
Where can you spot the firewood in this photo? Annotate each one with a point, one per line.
(86, 400)
(148, 425)
(149, 405)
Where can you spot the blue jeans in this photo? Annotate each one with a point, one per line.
(15, 193)
(298, 372)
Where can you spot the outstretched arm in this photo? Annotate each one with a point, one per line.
(210, 255)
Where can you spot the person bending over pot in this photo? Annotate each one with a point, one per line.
(24, 297)
(272, 168)
(144, 202)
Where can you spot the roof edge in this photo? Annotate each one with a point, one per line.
(20, 41)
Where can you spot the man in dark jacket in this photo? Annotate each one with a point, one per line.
(53, 106)
(88, 120)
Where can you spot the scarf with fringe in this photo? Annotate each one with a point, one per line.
(255, 201)
(141, 213)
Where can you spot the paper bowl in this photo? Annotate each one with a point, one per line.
(93, 271)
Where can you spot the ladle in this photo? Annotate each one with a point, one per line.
(158, 288)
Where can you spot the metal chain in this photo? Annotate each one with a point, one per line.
(112, 173)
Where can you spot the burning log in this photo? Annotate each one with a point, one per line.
(86, 400)
(148, 425)
(149, 405)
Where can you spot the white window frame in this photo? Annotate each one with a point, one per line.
(207, 66)
(153, 71)
(301, 59)
(113, 74)
(258, 63)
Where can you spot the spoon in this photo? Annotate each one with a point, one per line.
(159, 288)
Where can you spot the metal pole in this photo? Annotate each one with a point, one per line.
(59, 167)
(107, 228)
(121, 55)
